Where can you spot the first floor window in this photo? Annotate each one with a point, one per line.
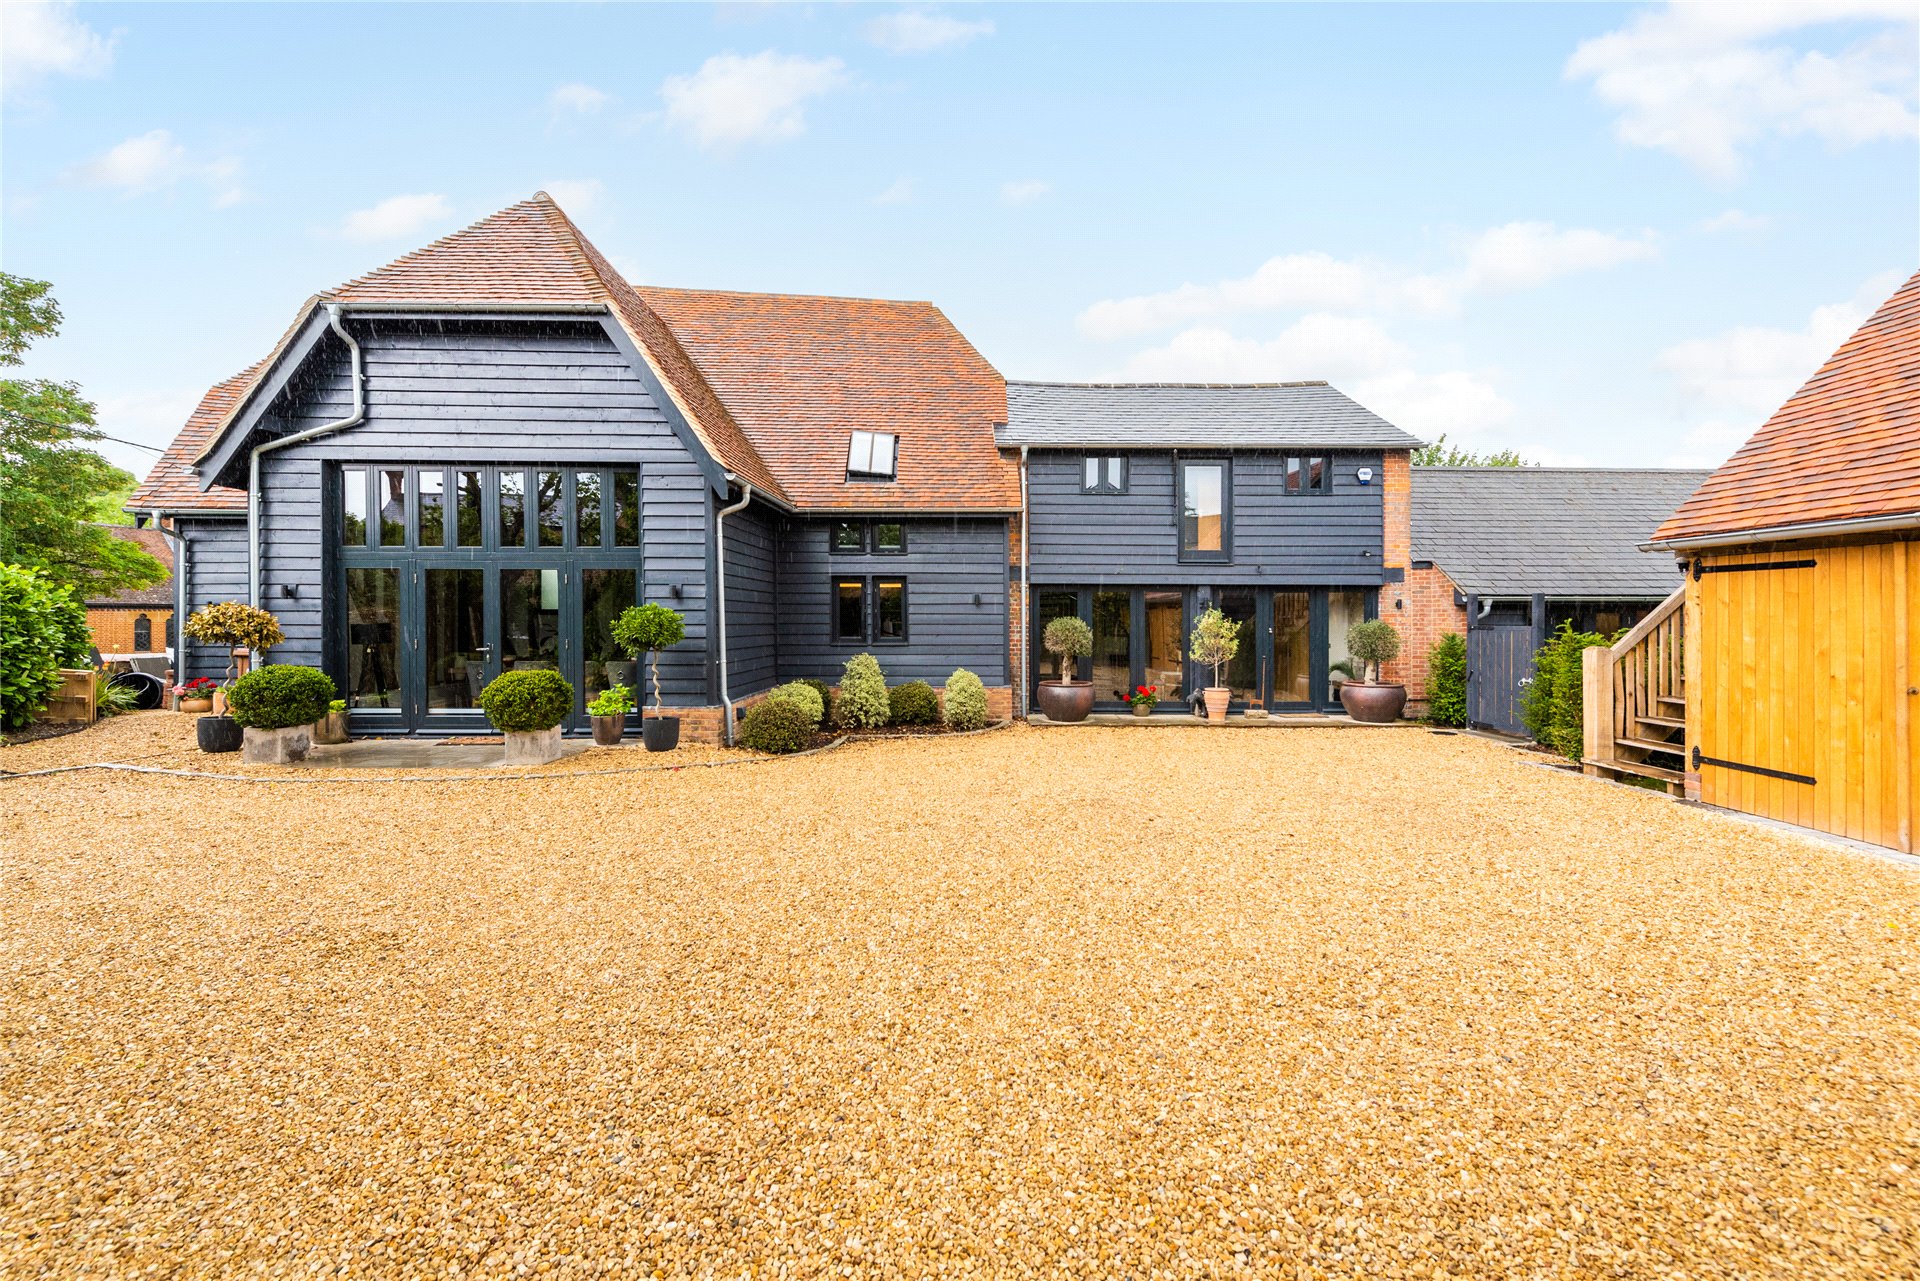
(1309, 474)
(889, 538)
(849, 536)
(1203, 510)
(467, 531)
(1105, 474)
(392, 486)
(353, 506)
(433, 512)
(850, 611)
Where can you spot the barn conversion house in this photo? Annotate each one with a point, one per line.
(470, 460)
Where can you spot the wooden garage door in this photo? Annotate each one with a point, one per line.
(1802, 710)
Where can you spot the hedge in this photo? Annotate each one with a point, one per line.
(1554, 709)
(1447, 681)
(43, 628)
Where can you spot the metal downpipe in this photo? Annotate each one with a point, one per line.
(720, 591)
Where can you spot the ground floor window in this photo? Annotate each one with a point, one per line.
(869, 610)
(1292, 652)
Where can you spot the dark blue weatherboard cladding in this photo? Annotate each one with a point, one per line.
(949, 563)
(752, 605)
(482, 392)
(1333, 538)
(215, 555)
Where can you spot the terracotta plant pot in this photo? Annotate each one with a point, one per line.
(1141, 709)
(1218, 700)
(196, 706)
(1373, 704)
(660, 733)
(609, 730)
(1060, 701)
(217, 734)
(331, 728)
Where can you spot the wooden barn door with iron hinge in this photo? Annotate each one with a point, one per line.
(1803, 711)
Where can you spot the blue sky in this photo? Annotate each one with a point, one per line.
(1597, 233)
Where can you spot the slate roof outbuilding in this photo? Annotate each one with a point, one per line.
(1846, 446)
(1565, 532)
(1305, 415)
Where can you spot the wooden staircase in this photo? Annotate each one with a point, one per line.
(1635, 696)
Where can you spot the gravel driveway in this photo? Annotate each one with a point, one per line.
(1101, 1003)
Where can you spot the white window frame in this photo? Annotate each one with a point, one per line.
(874, 454)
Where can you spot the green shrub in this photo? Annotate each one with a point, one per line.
(1372, 643)
(43, 628)
(803, 695)
(526, 702)
(1553, 706)
(1447, 681)
(777, 726)
(280, 697)
(112, 697)
(825, 691)
(966, 701)
(1067, 637)
(914, 703)
(615, 700)
(232, 624)
(863, 695)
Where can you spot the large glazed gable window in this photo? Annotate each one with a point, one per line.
(870, 455)
(1104, 474)
(1204, 532)
(427, 508)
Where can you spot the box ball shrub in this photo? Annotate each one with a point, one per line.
(1447, 680)
(863, 695)
(914, 703)
(527, 702)
(966, 701)
(280, 697)
(802, 694)
(825, 691)
(777, 726)
(43, 628)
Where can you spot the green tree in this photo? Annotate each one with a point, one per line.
(51, 483)
(1442, 454)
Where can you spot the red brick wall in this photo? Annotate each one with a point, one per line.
(1396, 494)
(1426, 612)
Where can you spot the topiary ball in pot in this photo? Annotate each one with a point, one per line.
(1066, 700)
(863, 695)
(527, 707)
(966, 702)
(277, 707)
(914, 703)
(1372, 643)
(777, 726)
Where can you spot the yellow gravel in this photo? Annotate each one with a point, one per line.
(1097, 1003)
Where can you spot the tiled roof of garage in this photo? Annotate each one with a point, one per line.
(1846, 446)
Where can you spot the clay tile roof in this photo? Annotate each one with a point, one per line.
(156, 545)
(1846, 446)
(172, 485)
(801, 373)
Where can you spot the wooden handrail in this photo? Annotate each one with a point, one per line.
(1639, 677)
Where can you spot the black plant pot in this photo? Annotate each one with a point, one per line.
(660, 733)
(218, 733)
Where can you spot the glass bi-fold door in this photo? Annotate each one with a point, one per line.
(424, 640)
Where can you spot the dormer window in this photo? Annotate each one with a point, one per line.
(870, 455)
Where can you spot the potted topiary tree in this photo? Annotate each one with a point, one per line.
(242, 631)
(609, 710)
(1066, 699)
(1216, 640)
(648, 629)
(1365, 697)
(527, 708)
(276, 708)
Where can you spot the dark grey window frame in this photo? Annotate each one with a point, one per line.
(1225, 554)
(1104, 482)
(869, 609)
(869, 538)
(1307, 489)
(369, 474)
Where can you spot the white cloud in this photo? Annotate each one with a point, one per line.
(39, 40)
(1733, 220)
(576, 197)
(900, 193)
(1747, 373)
(1023, 192)
(918, 31)
(1703, 81)
(150, 415)
(1320, 345)
(155, 161)
(732, 99)
(1455, 401)
(1519, 255)
(581, 99)
(396, 216)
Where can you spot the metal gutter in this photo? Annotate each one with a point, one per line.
(1026, 591)
(334, 312)
(1782, 533)
(720, 589)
